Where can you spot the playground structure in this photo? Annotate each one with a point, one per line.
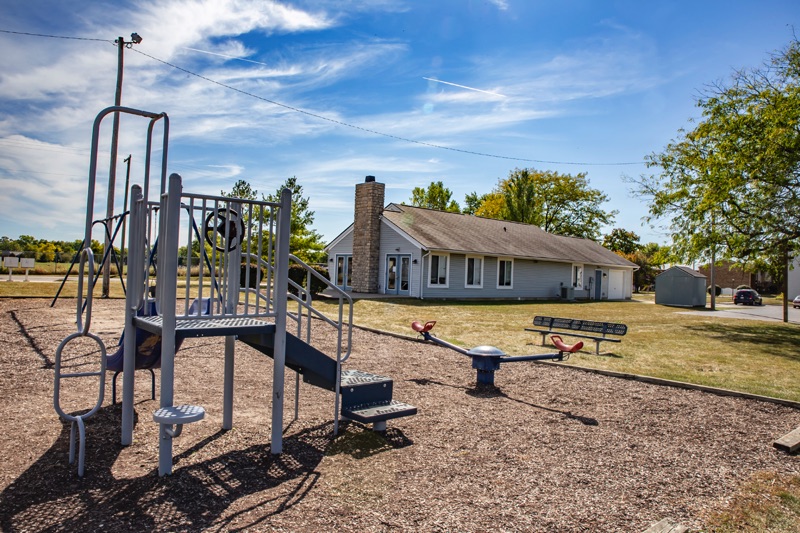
(487, 359)
(234, 240)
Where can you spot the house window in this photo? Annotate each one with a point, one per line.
(437, 271)
(577, 276)
(505, 273)
(474, 273)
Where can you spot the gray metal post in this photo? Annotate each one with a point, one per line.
(227, 391)
(281, 286)
(132, 301)
(125, 208)
(167, 282)
(233, 259)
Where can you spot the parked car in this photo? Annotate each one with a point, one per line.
(796, 301)
(747, 297)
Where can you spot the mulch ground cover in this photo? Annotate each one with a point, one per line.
(548, 449)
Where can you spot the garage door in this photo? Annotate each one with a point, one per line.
(615, 284)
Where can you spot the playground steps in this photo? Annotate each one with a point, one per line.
(316, 367)
(366, 397)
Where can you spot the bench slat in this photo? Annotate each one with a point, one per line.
(574, 324)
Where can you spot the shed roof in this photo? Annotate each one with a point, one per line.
(678, 269)
(469, 234)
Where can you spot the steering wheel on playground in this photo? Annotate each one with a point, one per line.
(228, 225)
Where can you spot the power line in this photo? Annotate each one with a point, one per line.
(56, 36)
(375, 132)
(333, 120)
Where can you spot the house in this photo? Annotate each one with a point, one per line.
(681, 286)
(423, 253)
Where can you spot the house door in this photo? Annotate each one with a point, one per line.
(398, 274)
(598, 284)
(344, 271)
(616, 291)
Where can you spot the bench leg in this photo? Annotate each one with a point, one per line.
(597, 347)
(543, 337)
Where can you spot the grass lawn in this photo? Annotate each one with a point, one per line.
(751, 356)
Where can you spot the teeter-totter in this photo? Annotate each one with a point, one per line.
(487, 359)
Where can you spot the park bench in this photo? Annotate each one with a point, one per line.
(586, 329)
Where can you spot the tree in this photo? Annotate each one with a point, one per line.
(472, 202)
(305, 242)
(562, 204)
(621, 240)
(436, 196)
(492, 206)
(730, 186)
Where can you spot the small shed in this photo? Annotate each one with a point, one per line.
(682, 287)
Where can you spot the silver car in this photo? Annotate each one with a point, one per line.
(796, 301)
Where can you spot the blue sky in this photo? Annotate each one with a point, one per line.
(571, 86)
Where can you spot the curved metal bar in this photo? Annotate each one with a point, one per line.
(59, 376)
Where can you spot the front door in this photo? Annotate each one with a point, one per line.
(398, 274)
(344, 271)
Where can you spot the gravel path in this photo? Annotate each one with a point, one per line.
(550, 449)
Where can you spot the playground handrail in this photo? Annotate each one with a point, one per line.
(306, 303)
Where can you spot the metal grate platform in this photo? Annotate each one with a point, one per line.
(207, 327)
(377, 413)
(352, 378)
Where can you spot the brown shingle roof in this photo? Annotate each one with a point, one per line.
(454, 232)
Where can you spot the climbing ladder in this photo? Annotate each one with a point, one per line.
(87, 279)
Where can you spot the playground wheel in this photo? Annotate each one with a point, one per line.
(227, 225)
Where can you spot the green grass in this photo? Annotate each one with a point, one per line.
(751, 356)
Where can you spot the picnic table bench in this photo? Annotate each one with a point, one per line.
(586, 329)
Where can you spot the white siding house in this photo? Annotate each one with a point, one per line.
(424, 253)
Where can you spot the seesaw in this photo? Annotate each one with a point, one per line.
(487, 359)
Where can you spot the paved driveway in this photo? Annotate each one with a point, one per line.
(751, 312)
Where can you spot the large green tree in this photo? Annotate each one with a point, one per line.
(621, 240)
(436, 196)
(730, 187)
(562, 204)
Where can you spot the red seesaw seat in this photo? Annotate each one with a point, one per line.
(420, 328)
(559, 343)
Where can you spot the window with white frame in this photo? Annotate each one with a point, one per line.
(474, 272)
(505, 273)
(577, 276)
(437, 270)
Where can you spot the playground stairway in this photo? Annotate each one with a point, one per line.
(366, 397)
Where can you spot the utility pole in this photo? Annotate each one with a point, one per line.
(112, 171)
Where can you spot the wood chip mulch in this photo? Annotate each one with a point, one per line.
(549, 449)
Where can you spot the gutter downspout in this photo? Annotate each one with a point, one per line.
(422, 273)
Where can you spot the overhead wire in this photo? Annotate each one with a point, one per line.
(333, 120)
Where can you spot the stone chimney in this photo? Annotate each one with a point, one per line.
(367, 235)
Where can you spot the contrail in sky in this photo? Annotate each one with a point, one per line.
(223, 55)
(464, 87)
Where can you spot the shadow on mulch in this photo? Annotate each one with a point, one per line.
(50, 497)
(491, 391)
